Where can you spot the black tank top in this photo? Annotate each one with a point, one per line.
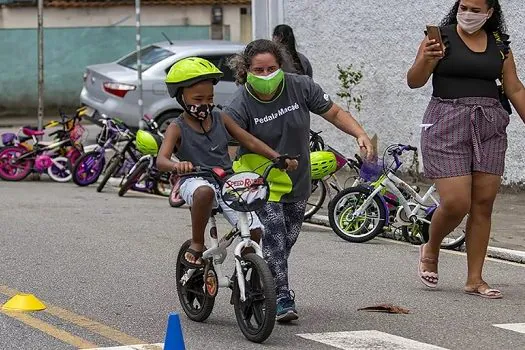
(209, 150)
(465, 73)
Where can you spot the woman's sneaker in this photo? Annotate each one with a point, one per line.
(286, 311)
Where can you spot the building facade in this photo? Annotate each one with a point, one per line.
(78, 33)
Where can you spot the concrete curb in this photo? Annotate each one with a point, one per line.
(516, 256)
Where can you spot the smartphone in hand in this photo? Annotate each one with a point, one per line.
(434, 33)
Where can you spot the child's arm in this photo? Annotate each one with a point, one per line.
(164, 162)
(251, 142)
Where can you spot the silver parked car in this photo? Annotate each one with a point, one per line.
(111, 88)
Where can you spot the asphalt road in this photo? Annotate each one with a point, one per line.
(104, 266)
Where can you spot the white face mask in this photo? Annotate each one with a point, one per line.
(471, 22)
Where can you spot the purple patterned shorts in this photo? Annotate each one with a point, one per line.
(462, 136)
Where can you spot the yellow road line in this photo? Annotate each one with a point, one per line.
(93, 326)
(51, 330)
(82, 321)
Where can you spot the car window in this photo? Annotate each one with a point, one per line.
(221, 62)
(149, 56)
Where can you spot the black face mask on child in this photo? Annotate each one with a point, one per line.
(200, 112)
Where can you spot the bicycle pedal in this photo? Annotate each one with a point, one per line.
(212, 283)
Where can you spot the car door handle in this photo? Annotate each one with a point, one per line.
(159, 89)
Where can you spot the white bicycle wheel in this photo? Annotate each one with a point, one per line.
(60, 170)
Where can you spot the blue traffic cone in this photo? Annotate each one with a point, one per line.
(174, 338)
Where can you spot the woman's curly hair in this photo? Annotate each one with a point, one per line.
(496, 22)
(240, 63)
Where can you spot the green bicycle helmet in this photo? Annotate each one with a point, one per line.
(322, 163)
(146, 143)
(188, 72)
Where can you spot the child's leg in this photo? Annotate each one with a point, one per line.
(199, 194)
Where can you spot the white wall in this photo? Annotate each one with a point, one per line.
(384, 36)
(150, 15)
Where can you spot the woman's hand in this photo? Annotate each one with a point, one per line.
(365, 147)
(183, 167)
(432, 51)
(291, 164)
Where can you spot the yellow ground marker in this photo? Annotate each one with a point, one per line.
(81, 321)
(23, 302)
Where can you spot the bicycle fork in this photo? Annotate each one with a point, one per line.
(245, 242)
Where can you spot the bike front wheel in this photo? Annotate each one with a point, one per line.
(60, 171)
(133, 178)
(88, 168)
(256, 315)
(114, 164)
(162, 186)
(362, 228)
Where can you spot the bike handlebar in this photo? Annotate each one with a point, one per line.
(218, 173)
(398, 150)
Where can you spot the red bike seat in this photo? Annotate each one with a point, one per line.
(32, 132)
(220, 172)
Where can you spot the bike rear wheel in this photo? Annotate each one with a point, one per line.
(360, 229)
(11, 169)
(193, 297)
(256, 315)
(453, 240)
(133, 178)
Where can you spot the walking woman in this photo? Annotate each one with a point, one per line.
(275, 107)
(299, 64)
(464, 138)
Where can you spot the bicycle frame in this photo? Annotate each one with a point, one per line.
(218, 250)
(50, 147)
(393, 184)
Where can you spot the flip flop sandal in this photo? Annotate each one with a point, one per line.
(197, 255)
(489, 293)
(427, 277)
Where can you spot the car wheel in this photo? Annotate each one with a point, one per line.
(166, 118)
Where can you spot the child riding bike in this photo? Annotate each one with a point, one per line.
(199, 137)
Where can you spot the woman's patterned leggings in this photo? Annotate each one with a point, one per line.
(282, 224)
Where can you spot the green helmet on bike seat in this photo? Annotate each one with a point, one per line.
(147, 143)
(190, 71)
(322, 163)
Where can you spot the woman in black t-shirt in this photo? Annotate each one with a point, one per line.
(464, 138)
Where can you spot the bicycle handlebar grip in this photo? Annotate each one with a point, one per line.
(407, 147)
(280, 162)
